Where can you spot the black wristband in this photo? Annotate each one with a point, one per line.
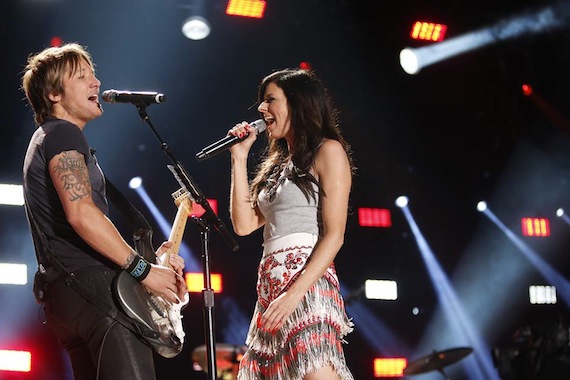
(139, 268)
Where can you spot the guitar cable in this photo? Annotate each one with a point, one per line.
(101, 349)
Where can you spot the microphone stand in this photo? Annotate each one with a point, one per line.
(205, 222)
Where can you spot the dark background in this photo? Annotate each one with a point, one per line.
(458, 132)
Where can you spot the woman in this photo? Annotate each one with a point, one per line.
(300, 195)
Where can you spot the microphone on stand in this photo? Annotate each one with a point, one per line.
(134, 97)
(225, 143)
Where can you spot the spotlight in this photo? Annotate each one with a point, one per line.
(409, 61)
(402, 201)
(529, 22)
(196, 28)
(481, 206)
(560, 212)
(135, 182)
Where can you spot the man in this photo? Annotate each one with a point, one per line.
(67, 211)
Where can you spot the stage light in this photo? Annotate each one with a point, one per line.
(246, 8)
(535, 227)
(198, 210)
(56, 41)
(12, 195)
(526, 89)
(381, 289)
(428, 31)
(196, 28)
(402, 201)
(540, 294)
(481, 206)
(389, 367)
(195, 282)
(548, 272)
(15, 274)
(374, 217)
(16, 361)
(135, 182)
(562, 215)
(459, 324)
(535, 22)
(409, 61)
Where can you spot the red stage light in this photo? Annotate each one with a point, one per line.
(305, 65)
(526, 89)
(535, 227)
(198, 210)
(374, 217)
(246, 8)
(56, 41)
(428, 31)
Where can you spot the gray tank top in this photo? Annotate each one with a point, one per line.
(289, 211)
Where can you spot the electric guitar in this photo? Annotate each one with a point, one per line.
(152, 311)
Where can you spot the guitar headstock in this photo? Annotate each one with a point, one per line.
(183, 199)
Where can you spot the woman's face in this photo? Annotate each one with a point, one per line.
(275, 111)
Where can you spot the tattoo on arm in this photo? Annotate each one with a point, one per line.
(72, 171)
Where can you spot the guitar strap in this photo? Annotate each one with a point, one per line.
(142, 230)
(50, 268)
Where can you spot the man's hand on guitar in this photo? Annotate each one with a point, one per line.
(165, 282)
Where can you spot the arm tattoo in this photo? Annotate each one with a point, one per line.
(73, 173)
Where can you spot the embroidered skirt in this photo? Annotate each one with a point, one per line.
(312, 336)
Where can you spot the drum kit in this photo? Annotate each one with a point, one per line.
(436, 361)
(228, 357)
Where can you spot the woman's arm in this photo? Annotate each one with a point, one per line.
(245, 218)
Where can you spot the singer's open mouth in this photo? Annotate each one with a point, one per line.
(94, 98)
(269, 120)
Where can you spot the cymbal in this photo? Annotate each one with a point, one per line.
(437, 360)
(227, 356)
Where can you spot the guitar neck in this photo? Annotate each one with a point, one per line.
(179, 225)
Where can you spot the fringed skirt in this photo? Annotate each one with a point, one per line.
(312, 336)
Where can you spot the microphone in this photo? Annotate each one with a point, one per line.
(134, 97)
(225, 143)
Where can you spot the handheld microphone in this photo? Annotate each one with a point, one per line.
(134, 97)
(225, 143)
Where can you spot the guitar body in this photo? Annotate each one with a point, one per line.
(153, 313)
(147, 309)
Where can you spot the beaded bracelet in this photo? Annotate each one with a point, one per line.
(139, 268)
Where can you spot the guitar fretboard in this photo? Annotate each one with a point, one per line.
(182, 199)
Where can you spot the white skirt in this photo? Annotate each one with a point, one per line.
(312, 337)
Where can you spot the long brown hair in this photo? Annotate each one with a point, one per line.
(313, 118)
